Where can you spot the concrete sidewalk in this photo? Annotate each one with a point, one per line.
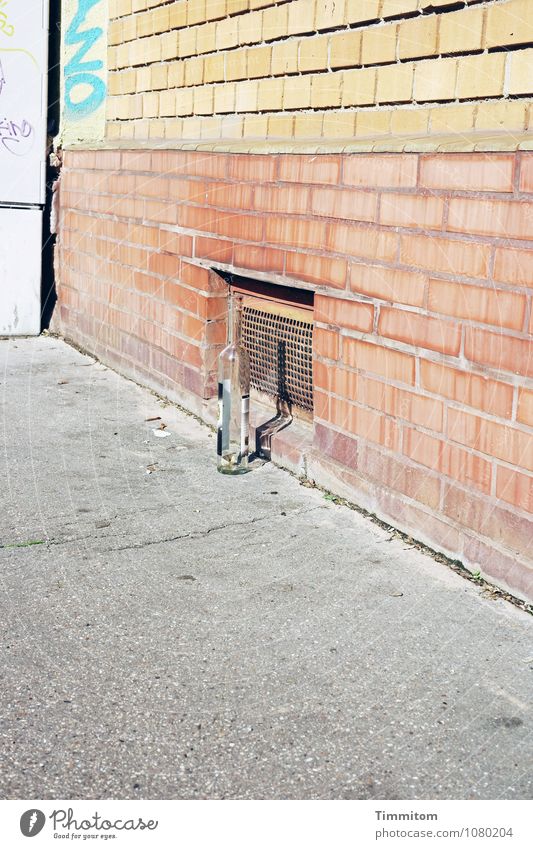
(168, 632)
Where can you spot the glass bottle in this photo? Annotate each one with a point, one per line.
(233, 397)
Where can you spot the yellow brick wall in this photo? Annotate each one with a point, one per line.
(323, 72)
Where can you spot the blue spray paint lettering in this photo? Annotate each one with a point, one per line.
(79, 72)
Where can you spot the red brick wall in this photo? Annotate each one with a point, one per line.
(423, 269)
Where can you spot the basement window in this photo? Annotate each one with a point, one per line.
(277, 332)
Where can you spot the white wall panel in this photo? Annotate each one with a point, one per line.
(23, 74)
(20, 271)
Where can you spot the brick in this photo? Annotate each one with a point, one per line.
(258, 61)
(325, 90)
(258, 258)
(395, 84)
(379, 44)
(420, 330)
(411, 407)
(275, 23)
(336, 445)
(284, 199)
(525, 407)
(338, 380)
(488, 395)
(221, 223)
(445, 255)
(203, 100)
(194, 71)
(345, 314)
(308, 125)
(448, 459)
(320, 405)
(201, 278)
(366, 356)
(345, 49)
(338, 203)
(501, 115)
(296, 232)
(460, 32)
(526, 173)
(368, 424)
(520, 72)
(476, 303)
(339, 125)
(357, 12)
(215, 249)
(453, 119)
(409, 122)
(371, 123)
(169, 45)
(309, 169)
(250, 29)
(301, 16)
(313, 54)
(389, 284)
(359, 87)
(230, 196)
(504, 353)
(506, 571)
(224, 98)
(180, 190)
(480, 76)
(297, 93)
(329, 13)
(254, 169)
(474, 172)
(364, 242)
(506, 219)
(383, 171)
(236, 65)
(246, 96)
(515, 488)
(391, 473)
(167, 265)
(496, 440)
(284, 58)
(509, 23)
(326, 343)
(213, 68)
(235, 6)
(486, 517)
(184, 102)
(411, 211)
(417, 37)
(317, 269)
(175, 243)
(435, 80)
(391, 8)
(270, 94)
(206, 38)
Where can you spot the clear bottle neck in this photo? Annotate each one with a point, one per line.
(234, 319)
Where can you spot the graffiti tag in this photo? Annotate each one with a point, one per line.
(13, 135)
(5, 27)
(2, 78)
(82, 73)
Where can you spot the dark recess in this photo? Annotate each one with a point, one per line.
(48, 287)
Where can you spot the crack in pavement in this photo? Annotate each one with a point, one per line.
(202, 534)
(174, 538)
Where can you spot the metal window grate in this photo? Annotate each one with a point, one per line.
(280, 344)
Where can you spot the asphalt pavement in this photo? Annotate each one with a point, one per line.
(168, 632)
